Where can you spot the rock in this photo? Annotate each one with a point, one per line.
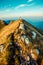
(17, 42)
(35, 54)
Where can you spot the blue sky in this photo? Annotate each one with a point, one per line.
(15, 8)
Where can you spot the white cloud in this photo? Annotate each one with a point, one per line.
(41, 8)
(29, 0)
(30, 4)
(7, 10)
(23, 5)
(20, 6)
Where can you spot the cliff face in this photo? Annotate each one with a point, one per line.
(20, 43)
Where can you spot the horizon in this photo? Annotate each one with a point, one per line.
(36, 22)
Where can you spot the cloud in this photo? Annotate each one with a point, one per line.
(29, 0)
(7, 10)
(30, 4)
(23, 5)
(20, 6)
(41, 8)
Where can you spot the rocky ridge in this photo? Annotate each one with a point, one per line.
(20, 44)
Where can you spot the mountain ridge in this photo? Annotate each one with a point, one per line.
(19, 39)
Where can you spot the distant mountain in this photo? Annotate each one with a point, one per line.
(6, 22)
(20, 44)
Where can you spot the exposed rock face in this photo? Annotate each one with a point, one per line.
(17, 47)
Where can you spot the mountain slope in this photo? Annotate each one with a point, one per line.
(1, 24)
(20, 44)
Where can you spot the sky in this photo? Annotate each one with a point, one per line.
(20, 8)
